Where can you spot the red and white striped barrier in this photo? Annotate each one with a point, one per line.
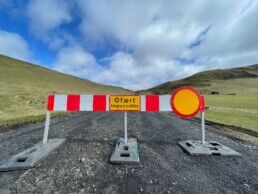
(100, 103)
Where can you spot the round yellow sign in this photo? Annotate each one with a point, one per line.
(185, 102)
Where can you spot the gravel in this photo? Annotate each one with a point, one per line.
(81, 164)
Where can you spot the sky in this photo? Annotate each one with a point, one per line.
(135, 44)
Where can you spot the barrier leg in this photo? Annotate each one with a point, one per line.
(125, 126)
(203, 127)
(33, 155)
(47, 122)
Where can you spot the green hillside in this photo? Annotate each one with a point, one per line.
(204, 80)
(236, 94)
(24, 88)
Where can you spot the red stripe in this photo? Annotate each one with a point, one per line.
(152, 103)
(50, 102)
(202, 106)
(99, 102)
(73, 102)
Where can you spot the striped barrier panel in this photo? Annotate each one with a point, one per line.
(100, 103)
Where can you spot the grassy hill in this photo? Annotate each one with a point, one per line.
(204, 80)
(236, 102)
(24, 88)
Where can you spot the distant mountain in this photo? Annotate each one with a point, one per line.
(205, 79)
(24, 88)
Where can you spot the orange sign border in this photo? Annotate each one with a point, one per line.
(173, 106)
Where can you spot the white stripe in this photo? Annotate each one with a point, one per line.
(143, 103)
(107, 102)
(60, 102)
(86, 103)
(164, 103)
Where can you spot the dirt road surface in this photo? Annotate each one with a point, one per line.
(81, 164)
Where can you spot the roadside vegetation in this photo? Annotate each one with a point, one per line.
(24, 89)
(236, 104)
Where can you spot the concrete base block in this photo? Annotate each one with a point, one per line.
(124, 153)
(209, 148)
(31, 156)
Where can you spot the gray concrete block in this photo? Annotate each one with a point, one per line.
(30, 157)
(124, 153)
(209, 148)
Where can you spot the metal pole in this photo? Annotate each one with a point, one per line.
(203, 127)
(45, 137)
(125, 126)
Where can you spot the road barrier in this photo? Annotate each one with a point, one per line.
(100, 103)
(185, 102)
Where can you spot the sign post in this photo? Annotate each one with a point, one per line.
(126, 150)
(202, 110)
(203, 127)
(125, 126)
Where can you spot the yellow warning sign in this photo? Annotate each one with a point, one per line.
(124, 103)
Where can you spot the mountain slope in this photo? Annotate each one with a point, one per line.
(24, 88)
(204, 80)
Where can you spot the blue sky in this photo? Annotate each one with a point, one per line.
(130, 43)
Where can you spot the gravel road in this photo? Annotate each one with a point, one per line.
(81, 164)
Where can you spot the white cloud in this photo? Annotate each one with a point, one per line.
(122, 70)
(159, 35)
(120, 20)
(125, 71)
(75, 60)
(47, 15)
(13, 45)
(45, 19)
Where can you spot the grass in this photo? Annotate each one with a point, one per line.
(240, 109)
(24, 89)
